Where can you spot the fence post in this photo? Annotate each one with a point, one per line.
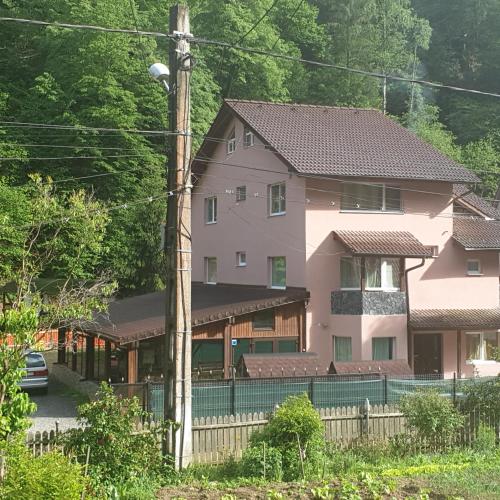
(385, 390)
(233, 393)
(2, 465)
(311, 390)
(367, 416)
(455, 388)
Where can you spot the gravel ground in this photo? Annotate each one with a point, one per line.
(58, 405)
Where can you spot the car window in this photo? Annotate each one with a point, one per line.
(34, 360)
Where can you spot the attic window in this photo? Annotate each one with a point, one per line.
(231, 142)
(461, 211)
(248, 138)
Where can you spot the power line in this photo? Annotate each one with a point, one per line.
(86, 27)
(229, 45)
(28, 158)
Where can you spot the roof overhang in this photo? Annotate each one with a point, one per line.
(383, 244)
(455, 319)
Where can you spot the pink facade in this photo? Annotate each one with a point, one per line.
(303, 235)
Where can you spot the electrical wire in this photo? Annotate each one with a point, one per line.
(71, 157)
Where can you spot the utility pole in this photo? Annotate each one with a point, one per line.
(178, 244)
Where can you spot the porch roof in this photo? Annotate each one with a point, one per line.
(290, 364)
(477, 234)
(455, 319)
(382, 243)
(141, 317)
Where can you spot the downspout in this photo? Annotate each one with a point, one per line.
(408, 329)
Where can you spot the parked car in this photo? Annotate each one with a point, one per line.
(36, 373)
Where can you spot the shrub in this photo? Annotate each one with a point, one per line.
(296, 430)
(263, 461)
(485, 440)
(431, 415)
(51, 476)
(483, 397)
(117, 453)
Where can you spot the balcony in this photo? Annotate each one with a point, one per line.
(357, 302)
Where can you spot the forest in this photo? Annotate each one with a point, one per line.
(64, 93)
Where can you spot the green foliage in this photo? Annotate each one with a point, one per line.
(262, 461)
(117, 453)
(485, 440)
(51, 476)
(297, 432)
(431, 415)
(483, 399)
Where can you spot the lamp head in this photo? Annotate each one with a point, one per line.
(160, 73)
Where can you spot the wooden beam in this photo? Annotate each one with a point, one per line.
(363, 274)
(107, 360)
(61, 345)
(89, 358)
(133, 365)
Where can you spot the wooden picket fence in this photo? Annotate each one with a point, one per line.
(217, 438)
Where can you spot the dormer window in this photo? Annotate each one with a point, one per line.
(364, 197)
(231, 142)
(248, 138)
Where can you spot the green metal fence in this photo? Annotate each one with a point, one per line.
(212, 398)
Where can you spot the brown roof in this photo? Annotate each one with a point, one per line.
(342, 142)
(143, 316)
(390, 367)
(293, 364)
(384, 243)
(477, 234)
(464, 193)
(455, 319)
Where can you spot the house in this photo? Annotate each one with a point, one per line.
(400, 259)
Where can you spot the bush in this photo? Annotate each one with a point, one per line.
(297, 432)
(432, 416)
(485, 440)
(51, 476)
(117, 453)
(483, 397)
(262, 461)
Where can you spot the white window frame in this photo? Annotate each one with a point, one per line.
(282, 200)
(474, 273)
(241, 193)
(241, 259)
(211, 200)
(207, 281)
(482, 359)
(231, 142)
(270, 261)
(248, 138)
(383, 209)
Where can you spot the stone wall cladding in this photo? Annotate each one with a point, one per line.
(356, 302)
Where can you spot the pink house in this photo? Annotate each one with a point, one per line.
(400, 260)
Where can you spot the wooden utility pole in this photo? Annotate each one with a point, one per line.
(178, 244)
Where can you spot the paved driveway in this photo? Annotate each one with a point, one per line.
(58, 405)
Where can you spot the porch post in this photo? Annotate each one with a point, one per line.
(133, 364)
(74, 350)
(410, 348)
(402, 281)
(61, 345)
(228, 354)
(89, 368)
(459, 353)
(107, 360)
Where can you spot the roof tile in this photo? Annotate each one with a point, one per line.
(455, 319)
(475, 233)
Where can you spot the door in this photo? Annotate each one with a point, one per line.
(427, 353)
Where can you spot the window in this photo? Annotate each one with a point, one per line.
(211, 270)
(481, 346)
(277, 199)
(241, 193)
(231, 142)
(380, 274)
(287, 345)
(473, 267)
(277, 272)
(248, 138)
(383, 348)
(211, 210)
(370, 198)
(342, 348)
(241, 259)
(350, 273)
(433, 250)
(263, 346)
(263, 320)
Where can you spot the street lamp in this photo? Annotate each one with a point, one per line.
(160, 73)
